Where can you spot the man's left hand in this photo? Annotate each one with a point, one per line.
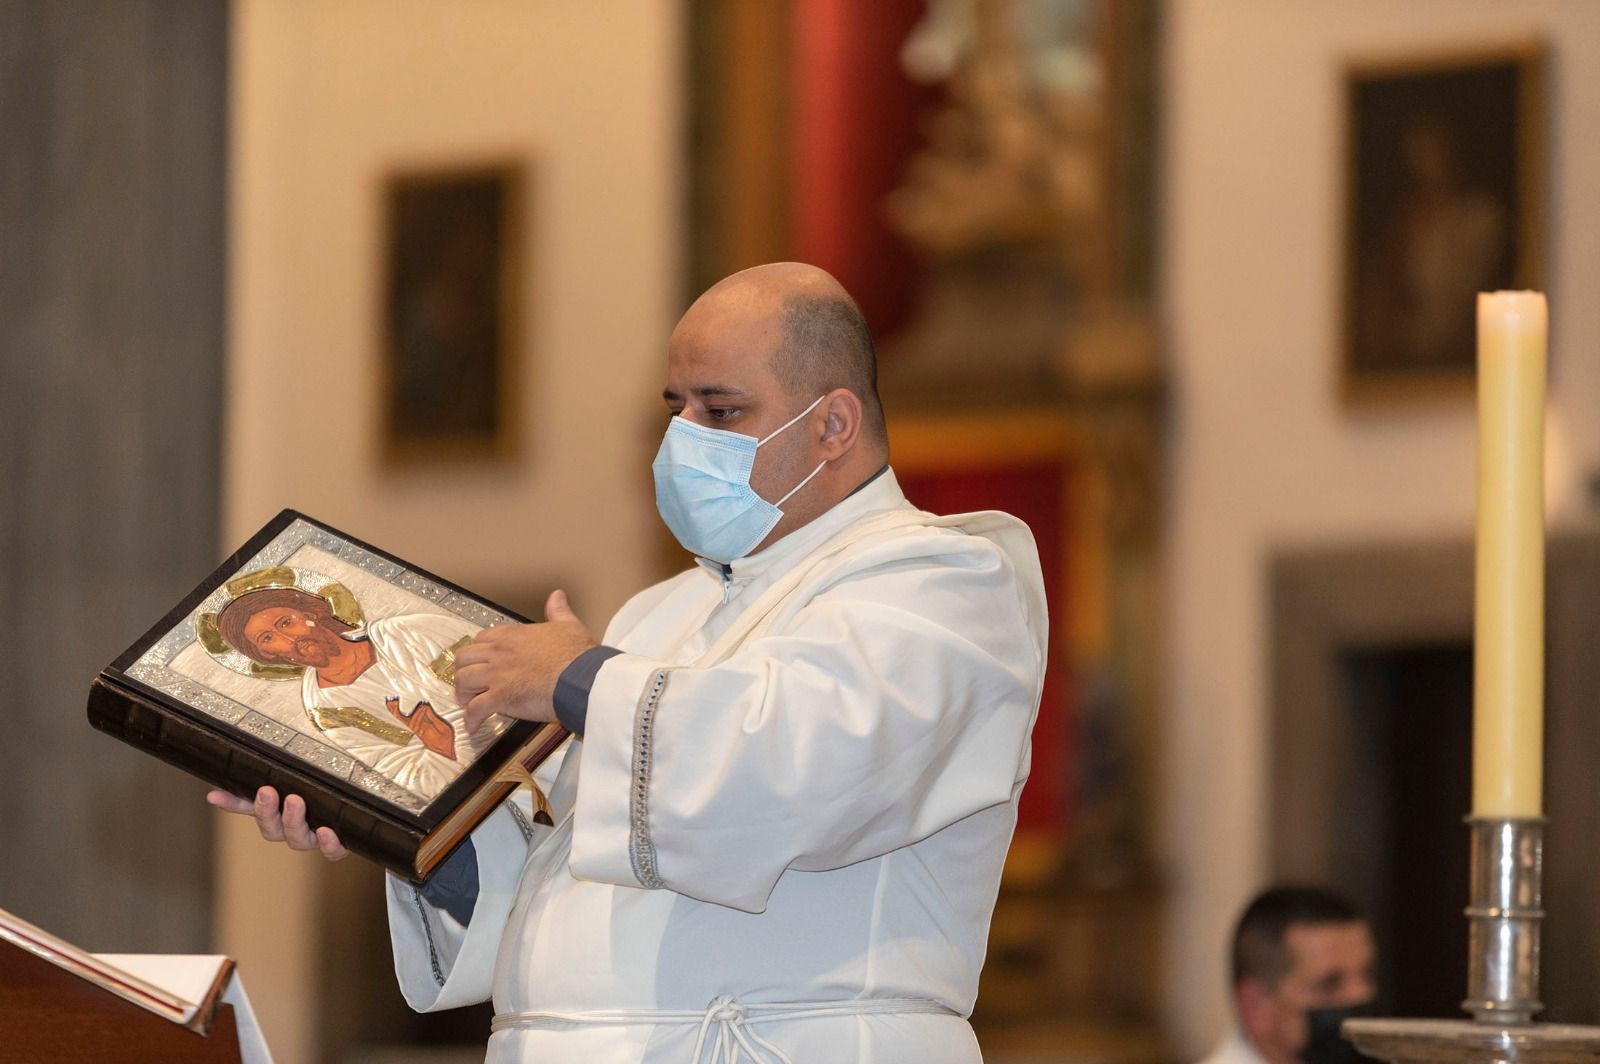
(512, 670)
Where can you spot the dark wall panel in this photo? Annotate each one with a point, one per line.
(112, 219)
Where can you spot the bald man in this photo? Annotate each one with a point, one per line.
(779, 830)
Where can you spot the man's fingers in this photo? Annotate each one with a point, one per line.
(296, 832)
(472, 713)
(286, 825)
(476, 711)
(329, 846)
(470, 680)
(473, 653)
(556, 608)
(231, 803)
(268, 820)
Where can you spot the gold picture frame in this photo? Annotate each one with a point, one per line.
(1445, 197)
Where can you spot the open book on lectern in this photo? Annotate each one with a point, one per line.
(188, 994)
(324, 667)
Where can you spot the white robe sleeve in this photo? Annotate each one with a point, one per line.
(893, 704)
(440, 963)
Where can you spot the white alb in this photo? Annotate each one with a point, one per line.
(781, 837)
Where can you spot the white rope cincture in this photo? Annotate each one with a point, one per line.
(730, 1017)
(724, 1028)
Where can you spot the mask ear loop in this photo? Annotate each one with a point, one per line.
(791, 421)
(814, 472)
(803, 483)
(780, 503)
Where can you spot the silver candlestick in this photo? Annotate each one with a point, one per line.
(1504, 917)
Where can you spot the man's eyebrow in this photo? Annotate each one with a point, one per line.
(706, 391)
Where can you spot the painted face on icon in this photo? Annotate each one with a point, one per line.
(283, 634)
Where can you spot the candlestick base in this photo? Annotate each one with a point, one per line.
(1473, 1042)
(1503, 919)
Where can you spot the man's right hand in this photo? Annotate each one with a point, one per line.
(288, 826)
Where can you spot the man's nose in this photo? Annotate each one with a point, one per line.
(1360, 988)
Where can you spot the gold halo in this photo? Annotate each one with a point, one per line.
(336, 595)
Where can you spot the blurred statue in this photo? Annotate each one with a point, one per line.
(1017, 154)
(1052, 34)
(1007, 205)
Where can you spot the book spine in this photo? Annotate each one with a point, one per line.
(174, 738)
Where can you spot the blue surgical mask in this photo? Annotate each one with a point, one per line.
(703, 489)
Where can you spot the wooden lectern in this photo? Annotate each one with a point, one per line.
(52, 1013)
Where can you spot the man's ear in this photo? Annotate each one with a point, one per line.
(1251, 998)
(841, 422)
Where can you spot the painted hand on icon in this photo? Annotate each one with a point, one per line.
(425, 722)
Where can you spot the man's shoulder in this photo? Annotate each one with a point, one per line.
(643, 602)
(881, 519)
(980, 565)
(915, 538)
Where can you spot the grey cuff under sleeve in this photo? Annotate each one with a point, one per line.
(574, 684)
(453, 886)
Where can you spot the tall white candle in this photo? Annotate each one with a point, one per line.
(1508, 651)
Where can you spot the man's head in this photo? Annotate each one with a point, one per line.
(283, 626)
(756, 350)
(1298, 950)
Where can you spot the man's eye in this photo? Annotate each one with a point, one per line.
(720, 413)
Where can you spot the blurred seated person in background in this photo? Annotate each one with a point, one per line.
(1303, 962)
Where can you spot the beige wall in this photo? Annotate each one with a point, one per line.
(327, 97)
(1262, 454)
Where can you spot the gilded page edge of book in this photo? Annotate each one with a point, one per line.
(210, 1002)
(87, 966)
(470, 812)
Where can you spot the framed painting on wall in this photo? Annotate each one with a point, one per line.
(1445, 199)
(451, 283)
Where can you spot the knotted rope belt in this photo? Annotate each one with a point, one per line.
(726, 1025)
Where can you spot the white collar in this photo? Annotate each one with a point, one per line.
(879, 494)
(1237, 1047)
